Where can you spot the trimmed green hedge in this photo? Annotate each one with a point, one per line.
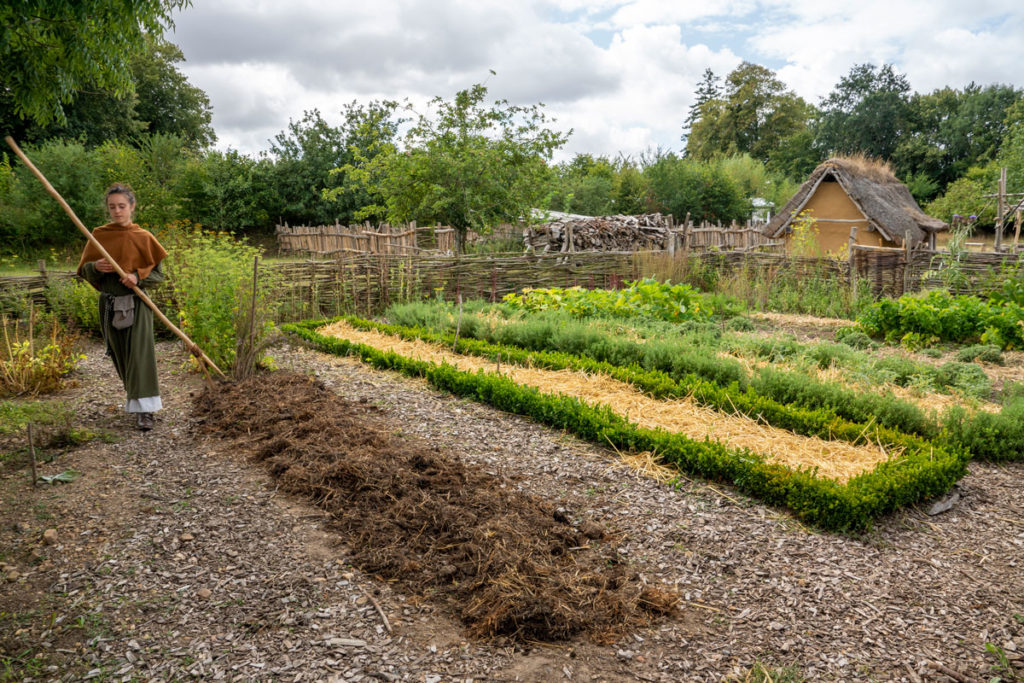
(924, 471)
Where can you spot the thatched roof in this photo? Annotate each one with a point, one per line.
(884, 200)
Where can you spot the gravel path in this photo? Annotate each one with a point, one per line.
(175, 558)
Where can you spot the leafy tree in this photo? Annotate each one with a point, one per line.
(754, 116)
(472, 166)
(708, 89)
(51, 51)
(585, 185)
(165, 101)
(309, 155)
(952, 130)
(683, 186)
(868, 111)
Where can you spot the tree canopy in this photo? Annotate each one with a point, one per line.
(51, 51)
(469, 165)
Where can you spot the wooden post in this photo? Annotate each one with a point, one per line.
(32, 455)
(907, 257)
(1001, 209)
(670, 241)
(853, 261)
(1016, 230)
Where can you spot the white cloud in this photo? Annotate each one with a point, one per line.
(263, 63)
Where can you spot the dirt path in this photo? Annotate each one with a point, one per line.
(177, 558)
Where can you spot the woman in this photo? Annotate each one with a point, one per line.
(126, 322)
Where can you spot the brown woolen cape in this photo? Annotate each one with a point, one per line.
(134, 249)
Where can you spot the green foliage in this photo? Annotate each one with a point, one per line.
(642, 298)
(925, 470)
(852, 336)
(49, 51)
(988, 436)
(755, 114)
(867, 112)
(16, 415)
(211, 275)
(30, 366)
(471, 166)
(701, 190)
(940, 316)
(966, 377)
(986, 353)
(74, 301)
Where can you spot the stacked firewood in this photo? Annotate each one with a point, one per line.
(600, 233)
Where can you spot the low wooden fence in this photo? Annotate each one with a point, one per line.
(367, 283)
(709, 237)
(328, 241)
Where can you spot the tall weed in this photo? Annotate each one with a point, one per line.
(211, 278)
(30, 366)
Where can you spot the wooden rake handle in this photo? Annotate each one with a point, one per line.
(189, 344)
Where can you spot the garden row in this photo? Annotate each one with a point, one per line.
(696, 370)
(923, 469)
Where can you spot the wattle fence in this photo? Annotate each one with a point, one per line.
(367, 283)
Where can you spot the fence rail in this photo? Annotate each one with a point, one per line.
(367, 283)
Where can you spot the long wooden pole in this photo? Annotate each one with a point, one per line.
(189, 344)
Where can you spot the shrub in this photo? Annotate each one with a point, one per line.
(852, 336)
(987, 353)
(74, 301)
(30, 366)
(740, 324)
(826, 355)
(967, 377)
(211, 278)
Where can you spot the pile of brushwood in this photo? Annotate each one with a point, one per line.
(504, 562)
(600, 233)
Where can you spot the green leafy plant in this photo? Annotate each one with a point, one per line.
(74, 301)
(211, 278)
(31, 366)
(642, 298)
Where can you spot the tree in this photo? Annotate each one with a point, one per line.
(471, 166)
(708, 89)
(51, 51)
(868, 112)
(953, 130)
(701, 189)
(165, 101)
(754, 116)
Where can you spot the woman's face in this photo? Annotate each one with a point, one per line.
(120, 209)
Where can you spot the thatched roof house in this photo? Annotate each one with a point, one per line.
(847, 192)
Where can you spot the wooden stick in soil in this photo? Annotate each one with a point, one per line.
(458, 325)
(32, 455)
(189, 344)
(952, 673)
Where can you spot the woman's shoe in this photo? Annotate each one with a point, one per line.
(144, 421)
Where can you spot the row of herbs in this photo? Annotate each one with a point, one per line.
(924, 470)
(699, 371)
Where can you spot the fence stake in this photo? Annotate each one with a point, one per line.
(32, 455)
(853, 261)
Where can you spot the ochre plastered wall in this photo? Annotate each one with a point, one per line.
(831, 201)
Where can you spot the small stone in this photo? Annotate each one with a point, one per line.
(624, 654)
(204, 593)
(49, 537)
(13, 575)
(777, 626)
(187, 537)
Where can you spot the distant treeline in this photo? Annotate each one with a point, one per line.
(747, 137)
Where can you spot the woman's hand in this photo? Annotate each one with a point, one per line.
(130, 280)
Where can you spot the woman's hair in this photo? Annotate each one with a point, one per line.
(120, 188)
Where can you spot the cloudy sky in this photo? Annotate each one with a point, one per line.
(620, 74)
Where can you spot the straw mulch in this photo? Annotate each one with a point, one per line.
(838, 460)
(505, 562)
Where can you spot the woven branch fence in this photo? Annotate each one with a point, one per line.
(367, 283)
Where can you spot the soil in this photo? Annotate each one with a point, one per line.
(183, 553)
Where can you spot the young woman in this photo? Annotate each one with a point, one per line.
(126, 322)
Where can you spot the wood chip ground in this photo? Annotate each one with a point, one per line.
(177, 559)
